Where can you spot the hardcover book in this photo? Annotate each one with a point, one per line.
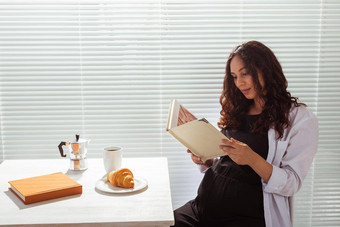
(45, 187)
(198, 135)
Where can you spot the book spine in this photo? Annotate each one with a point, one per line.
(53, 194)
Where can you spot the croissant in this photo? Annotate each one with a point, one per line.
(121, 178)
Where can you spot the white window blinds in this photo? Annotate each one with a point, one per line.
(108, 69)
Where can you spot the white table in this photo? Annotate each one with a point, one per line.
(149, 207)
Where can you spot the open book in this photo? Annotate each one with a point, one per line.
(198, 135)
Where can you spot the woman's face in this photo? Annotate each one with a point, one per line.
(243, 80)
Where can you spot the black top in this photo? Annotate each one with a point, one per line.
(258, 143)
(231, 194)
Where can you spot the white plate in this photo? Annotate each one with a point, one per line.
(105, 186)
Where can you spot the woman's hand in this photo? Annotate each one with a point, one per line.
(199, 161)
(239, 152)
(242, 154)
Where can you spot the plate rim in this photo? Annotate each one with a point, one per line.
(127, 190)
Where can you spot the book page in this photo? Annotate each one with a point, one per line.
(184, 116)
(178, 115)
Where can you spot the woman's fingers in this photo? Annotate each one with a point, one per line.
(227, 145)
(239, 152)
(226, 148)
(195, 158)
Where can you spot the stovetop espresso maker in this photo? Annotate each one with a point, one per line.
(77, 153)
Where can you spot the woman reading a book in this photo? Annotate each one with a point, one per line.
(272, 142)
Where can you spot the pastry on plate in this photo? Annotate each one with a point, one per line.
(121, 178)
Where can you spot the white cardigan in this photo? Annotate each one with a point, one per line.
(291, 157)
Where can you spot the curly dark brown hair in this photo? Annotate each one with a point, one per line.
(278, 101)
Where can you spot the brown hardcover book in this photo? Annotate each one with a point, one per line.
(45, 187)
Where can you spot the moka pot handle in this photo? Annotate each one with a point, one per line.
(60, 146)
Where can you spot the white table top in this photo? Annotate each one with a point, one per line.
(149, 207)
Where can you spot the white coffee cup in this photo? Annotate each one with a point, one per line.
(112, 158)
